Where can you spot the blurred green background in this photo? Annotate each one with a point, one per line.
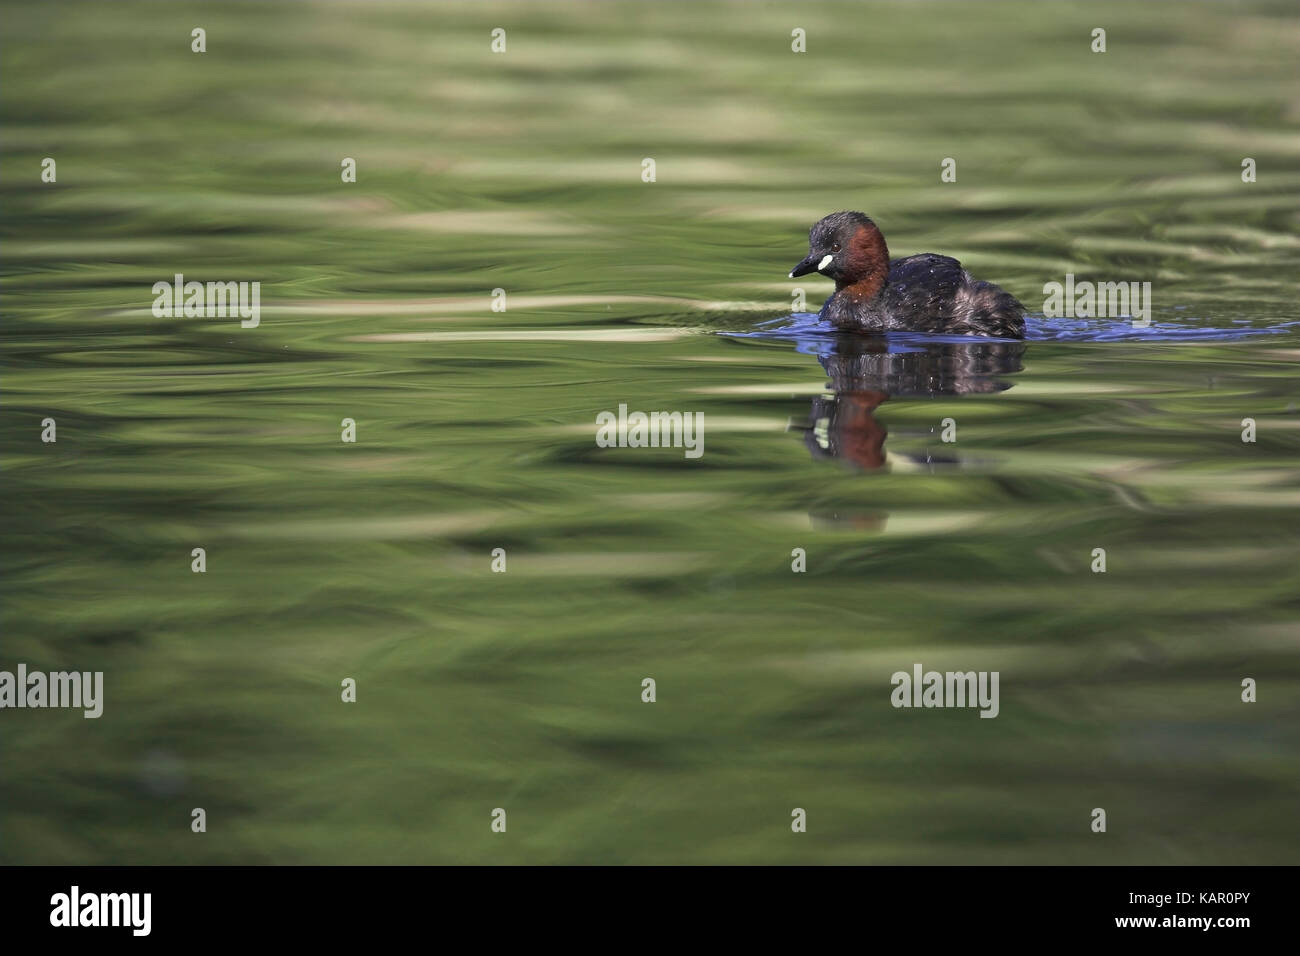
(521, 690)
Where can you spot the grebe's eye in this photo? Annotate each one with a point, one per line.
(835, 248)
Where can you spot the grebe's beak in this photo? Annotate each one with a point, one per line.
(813, 263)
(805, 267)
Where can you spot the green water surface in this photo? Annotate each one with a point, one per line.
(475, 431)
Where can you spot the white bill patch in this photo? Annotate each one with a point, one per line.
(826, 260)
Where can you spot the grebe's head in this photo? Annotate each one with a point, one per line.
(846, 247)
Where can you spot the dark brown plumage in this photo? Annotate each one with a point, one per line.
(922, 293)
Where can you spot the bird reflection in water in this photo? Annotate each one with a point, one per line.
(866, 371)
